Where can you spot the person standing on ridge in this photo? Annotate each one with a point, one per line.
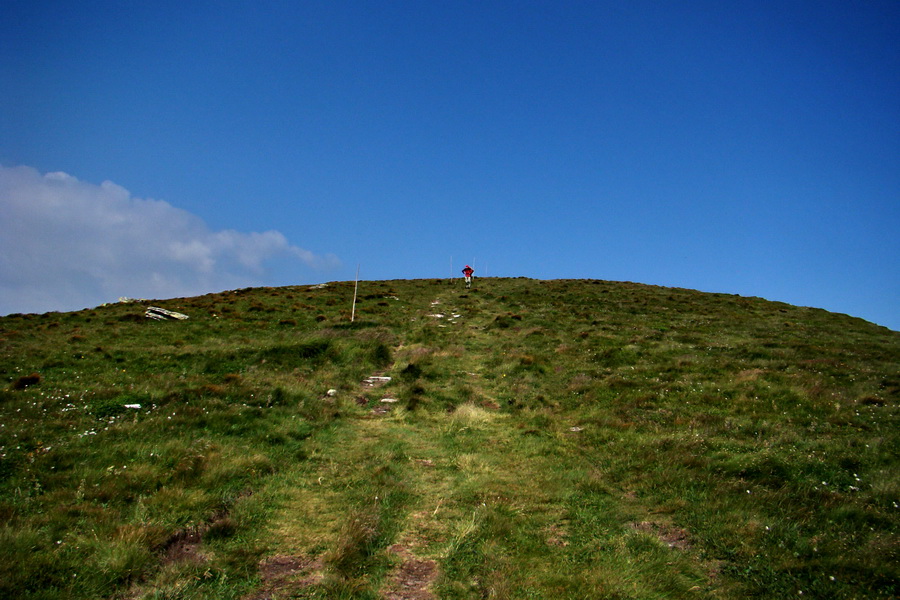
(468, 273)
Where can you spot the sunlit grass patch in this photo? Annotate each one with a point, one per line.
(470, 415)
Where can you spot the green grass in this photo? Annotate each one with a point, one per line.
(556, 439)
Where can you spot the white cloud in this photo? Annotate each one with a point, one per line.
(66, 244)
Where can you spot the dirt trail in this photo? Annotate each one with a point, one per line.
(442, 462)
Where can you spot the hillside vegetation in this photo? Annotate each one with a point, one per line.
(536, 439)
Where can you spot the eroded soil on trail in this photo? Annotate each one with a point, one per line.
(413, 579)
(284, 575)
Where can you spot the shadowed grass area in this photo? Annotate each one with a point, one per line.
(537, 439)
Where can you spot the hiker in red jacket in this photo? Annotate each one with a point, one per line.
(468, 273)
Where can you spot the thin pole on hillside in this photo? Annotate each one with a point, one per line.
(355, 289)
(451, 269)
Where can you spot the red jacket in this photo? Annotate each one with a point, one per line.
(468, 271)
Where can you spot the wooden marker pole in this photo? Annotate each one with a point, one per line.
(355, 289)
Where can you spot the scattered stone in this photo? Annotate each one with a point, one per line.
(332, 392)
(318, 286)
(389, 400)
(576, 429)
(161, 314)
(375, 380)
(135, 406)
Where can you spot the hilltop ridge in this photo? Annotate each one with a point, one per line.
(561, 438)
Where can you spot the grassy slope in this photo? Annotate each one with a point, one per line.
(558, 439)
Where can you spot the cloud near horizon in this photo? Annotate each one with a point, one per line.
(66, 244)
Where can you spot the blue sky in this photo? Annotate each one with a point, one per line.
(157, 149)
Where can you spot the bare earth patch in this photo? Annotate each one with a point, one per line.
(283, 575)
(184, 547)
(673, 537)
(413, 578)
(556, 535)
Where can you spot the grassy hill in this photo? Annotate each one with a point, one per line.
(540, 439)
